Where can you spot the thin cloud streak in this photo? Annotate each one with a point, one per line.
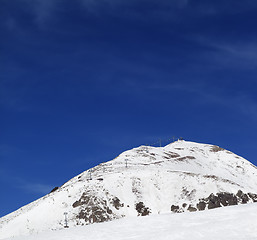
(36, 188)
(20, 183)
(44, 10)
(240, 102)
(242, 54)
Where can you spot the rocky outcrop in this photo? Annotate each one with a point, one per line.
(96, 214)
(142, 209)
(191, 209)
(201, 206)
(117, 203)
(228, 199)
(216, 149)
(93, 209)
(175, 209)
(217, 200)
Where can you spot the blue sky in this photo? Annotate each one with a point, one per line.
(82, 81)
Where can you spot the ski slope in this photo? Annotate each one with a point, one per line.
(234, 222)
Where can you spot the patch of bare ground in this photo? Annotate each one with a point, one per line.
(216, 149)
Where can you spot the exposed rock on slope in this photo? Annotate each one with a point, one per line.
(220, 199)
(182, 176)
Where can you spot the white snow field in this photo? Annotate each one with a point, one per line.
(233, 222)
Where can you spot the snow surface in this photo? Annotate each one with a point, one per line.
(181, 172)
(234, 222)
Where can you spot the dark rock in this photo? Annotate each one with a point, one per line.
(201, 206)
(184, 205)
(142, 209)
(76, 204)
(216, 149)
(191, 209)
(174, 208)
(213, 202)
(212, 177)
(239, 193)
(253, 196)
(116, 203)
(244, 198)
(54, 189)
(109, 211)
(82, 201)
(172, 155)
(93, 209)
(95, 214)
(227, 199)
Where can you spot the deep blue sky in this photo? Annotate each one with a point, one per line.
(82, 81)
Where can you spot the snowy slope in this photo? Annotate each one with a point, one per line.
(144, 180)
(230, 223)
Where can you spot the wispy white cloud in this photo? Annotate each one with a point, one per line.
(247, 105)
(211, 8)
(36, 187)
(17, 182)
(243, 55)
(230, 53)
(44, 10)
(165, 10)
(239, 102)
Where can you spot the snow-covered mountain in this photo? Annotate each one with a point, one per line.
(182, 176)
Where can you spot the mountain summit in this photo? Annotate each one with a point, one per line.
(182, 176)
